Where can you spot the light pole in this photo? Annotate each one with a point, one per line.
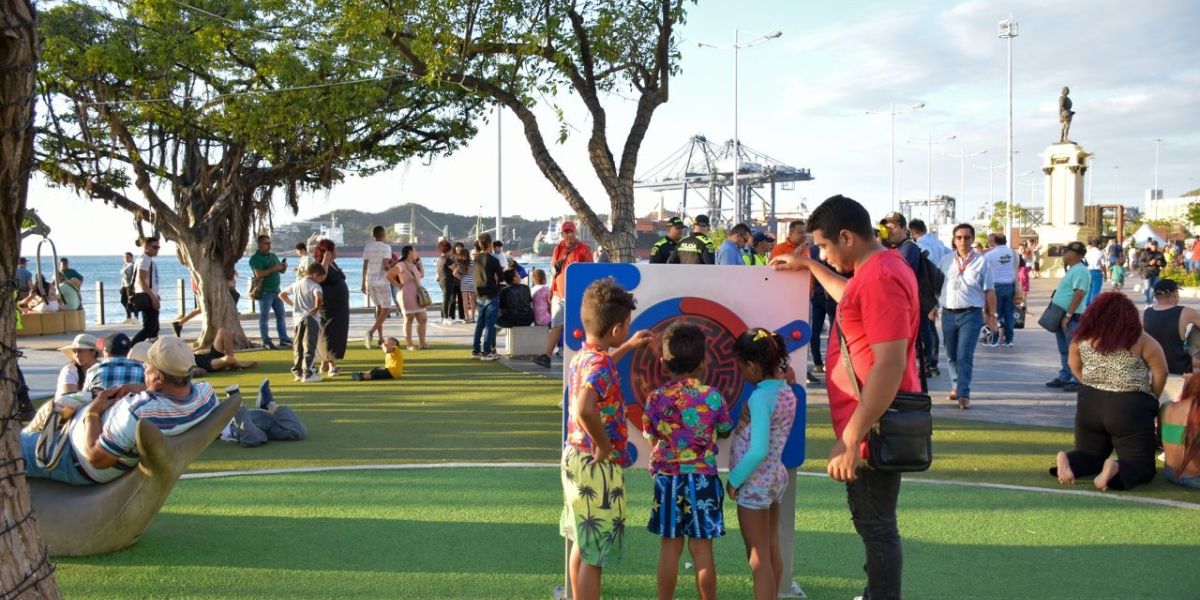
(1091, 178)
(1008, 31)
(929, 167)
(737, 149)
(991, 169)
(892, 112)
(899, 172)
(963, 155)
(1115, 167)
(499, 175)
(1154, 193)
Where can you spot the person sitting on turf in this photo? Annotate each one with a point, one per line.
(1180, 422)
(393, 363)
(221, 356)
(103, 444)
(267, 421)
(516, 303)
(117, 368)
(82, 353)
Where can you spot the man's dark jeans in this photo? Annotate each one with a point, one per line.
(817, 323)
(872, 498)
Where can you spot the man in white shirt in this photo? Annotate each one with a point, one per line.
(145, 290)
(933, 247)
(1002, 262)
(968, 292)
(1096, 266)
(376, 255)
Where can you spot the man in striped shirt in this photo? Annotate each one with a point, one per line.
(103, 434)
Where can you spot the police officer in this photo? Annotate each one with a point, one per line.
(695, 249)
(757, 253)
(662, 250)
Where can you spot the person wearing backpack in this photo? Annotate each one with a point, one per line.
(1003, 263)
(929, 282)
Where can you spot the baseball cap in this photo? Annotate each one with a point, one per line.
(1076, 247)
(675, 222)
(83, 341)
(568, 226)
(1165, 287)
(701, 220)
(172, 356)
(895, 217)
(116, 344)
(139, 351)
(762, 237)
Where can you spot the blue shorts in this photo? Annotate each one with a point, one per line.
(688, 505)
(1190, 481)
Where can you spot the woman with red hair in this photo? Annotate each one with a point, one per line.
(1181, 435)
(335, 309)
(1122, 371)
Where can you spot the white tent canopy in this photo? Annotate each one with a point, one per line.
(1144, 234)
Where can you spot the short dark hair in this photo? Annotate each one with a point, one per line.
(378, 230)
(966, 226)
(315, 268)
(683, 347)
(605, 305)
(129, 254)
(150, 240)
(918, 226)
(261, 237)
(301, 246)
(64, 261)
(509, 274)
(797, 224)
(838, 213)
(740, 229)
(497, 243)
(1000, 238)
(443, 246)
(485, 240)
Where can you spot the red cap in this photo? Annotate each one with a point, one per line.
(568, 226)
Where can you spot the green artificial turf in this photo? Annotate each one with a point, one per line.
(491, 534)
(448, 408)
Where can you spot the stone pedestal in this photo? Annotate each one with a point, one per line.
(1064, 165)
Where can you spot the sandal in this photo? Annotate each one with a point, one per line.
(964, 403)
(952, 396)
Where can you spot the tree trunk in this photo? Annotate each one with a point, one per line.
(216, 304)
(623, 239)
(25, 571)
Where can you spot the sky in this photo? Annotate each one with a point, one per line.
(1133, 69)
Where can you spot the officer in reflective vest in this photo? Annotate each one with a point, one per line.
(695, 249)
(662, 250)
(758, 253)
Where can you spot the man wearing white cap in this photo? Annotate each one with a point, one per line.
(103, 442)
(82, 353)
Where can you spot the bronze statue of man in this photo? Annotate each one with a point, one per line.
(1065, 114)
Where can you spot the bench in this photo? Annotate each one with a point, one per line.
(51, 323)
(525, 341)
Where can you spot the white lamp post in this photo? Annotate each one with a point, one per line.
(962, 156)
(1154, 193)
(737, 150)
(929, 168)
(892, 112)
(899, 172)
(1115, 167)
(1008, 31)
(991, 169)
(499, 176)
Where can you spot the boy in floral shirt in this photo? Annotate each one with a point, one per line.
(595, 452)
(682, 421)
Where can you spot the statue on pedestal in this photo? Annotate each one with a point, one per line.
(1065, 114)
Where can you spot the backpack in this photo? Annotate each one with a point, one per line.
(930, 280)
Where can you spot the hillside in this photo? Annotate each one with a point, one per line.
(519, 232)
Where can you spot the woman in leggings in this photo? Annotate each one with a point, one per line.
(1122, 371)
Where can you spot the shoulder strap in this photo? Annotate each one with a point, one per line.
(849, 366)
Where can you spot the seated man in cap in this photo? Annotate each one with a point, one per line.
(103, 443)
(221, 356)
(117, 368)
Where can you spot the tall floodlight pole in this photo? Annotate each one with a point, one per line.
(892, 112)
(1154, 192)
(1008, 31)
(737, 150)
(499, 176)
(991, 169)
(1115, 167)
(899, 172)
(929, 168)
(962, 156)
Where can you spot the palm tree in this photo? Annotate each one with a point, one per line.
(587, 491)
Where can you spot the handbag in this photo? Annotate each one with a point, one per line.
(1052, 317)
(255, 288)
(902, 440)
(423, 297)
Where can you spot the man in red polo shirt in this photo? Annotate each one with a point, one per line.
(878, 314)
(569, 250)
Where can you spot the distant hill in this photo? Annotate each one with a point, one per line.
(519, 232)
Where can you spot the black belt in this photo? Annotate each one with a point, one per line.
(963, 310)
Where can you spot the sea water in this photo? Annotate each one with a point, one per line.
(107, 270)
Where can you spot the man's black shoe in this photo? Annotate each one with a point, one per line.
(542, 361)
(1071, 387)
(1056, 383)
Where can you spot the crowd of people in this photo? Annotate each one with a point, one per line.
(36, 294)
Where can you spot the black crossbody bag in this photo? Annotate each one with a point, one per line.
(902, 440)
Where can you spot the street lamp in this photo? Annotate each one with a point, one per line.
(929, 167)
(737, 149)
(963, 155)
(1115, 167)
(892, 112)
(899, 171)
(1008, 31)
(991, 169)
(1154, 193)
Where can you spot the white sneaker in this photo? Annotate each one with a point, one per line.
(490, 356)
(367, 341)
(1008, 345)
(314, 378)
(298, 378)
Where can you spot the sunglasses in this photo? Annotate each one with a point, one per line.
(964, 237)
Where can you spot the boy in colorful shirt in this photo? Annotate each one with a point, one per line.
(682, 421)
(595, 452)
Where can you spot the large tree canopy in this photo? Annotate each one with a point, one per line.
(516, 52)
(195, 116)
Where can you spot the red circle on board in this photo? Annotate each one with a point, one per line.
(577, 334)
